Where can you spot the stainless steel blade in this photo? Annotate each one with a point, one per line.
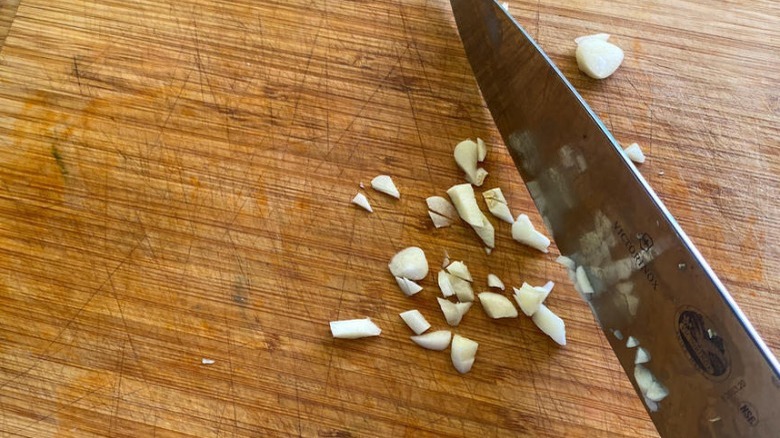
(650, 282)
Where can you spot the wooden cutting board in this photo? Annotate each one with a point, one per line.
(175, 179)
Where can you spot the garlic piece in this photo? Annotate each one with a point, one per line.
(462, 289)
(497, 205)
(467, 153)
(644, 378)
(566, 262)
(438, 340)
(409, 263)
(384, 184)
(548, 287)
(551, 324)
(642, 356)
(446, 260)
(462, 196)
(656, 392)
(451, 312)
(481, 150)
(598, 58)
(530, 298)
(361, 201)
(600, 36)
(496, 305)
(460, 270)
(634, 153)
(445, 284)
(354, 328)
(582, 281)
(486, 232)
(463, 308)
(206, 361)
(524, 232)
(408, 287)
(462, 353)
(415, 320)
(439, 221)
(494, 281)
(632, 342)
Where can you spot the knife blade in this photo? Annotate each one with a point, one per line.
(649, 282)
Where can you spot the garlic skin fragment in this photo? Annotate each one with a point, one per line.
(408, 287)
(551, 324)
(462, 196)
(634, 153)
(524, 232)
(437, 341)
(496, 305)
(598, 58)
(445, 284)
(494, 281)
(462, 289)
(385, 184)
(460, 270)
(583, 282)
(451, 313)
(463, 353)
(642, 356)
(415, 320)
(361, 201)
(530, 298)
(497, 205)
(354, 328)
(409, 263)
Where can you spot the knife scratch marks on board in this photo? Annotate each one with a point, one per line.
(41, 357)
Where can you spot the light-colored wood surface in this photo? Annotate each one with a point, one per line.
(175, 179)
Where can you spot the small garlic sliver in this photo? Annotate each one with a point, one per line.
(361, 201)
(415, 320)
(460, 270)
(494, 281)
(385, 184)
(354, 328)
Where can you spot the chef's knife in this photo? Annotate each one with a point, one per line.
(650, 284)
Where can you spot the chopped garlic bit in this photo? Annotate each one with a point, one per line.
(467, 153)
(481, 150)
(384, 184)
(530, 298)
(460, 270)
(505, 5)
(566, 262)
(463, 352)
(463, 308)
(446, 260)
(494, 281)
(634, 153)
(548, 287)
(361, 201)
(415, 320)
(600, 36)
(632, 342)
(441, 211)
(451, 312)
(462, 289)
(618, 334)
(205, 361)
(438, 340)
(409, 263)
(497, 205)
(462, 196)
(642, 356)
(598, 58)
(354, 328)
(648, 385)
(486, 232)
(497, 306)
(551, 324)
(583, 282)
(408, 287)
(445, 284)
(524, 232)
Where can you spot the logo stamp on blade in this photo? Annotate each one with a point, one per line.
(703, 346)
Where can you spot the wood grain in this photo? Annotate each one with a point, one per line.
(175, 179)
